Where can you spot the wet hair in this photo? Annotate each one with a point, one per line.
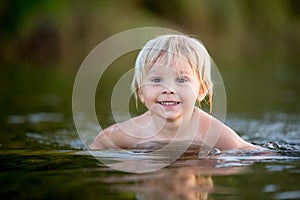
(172, 47)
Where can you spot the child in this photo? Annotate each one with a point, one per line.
(172, 73)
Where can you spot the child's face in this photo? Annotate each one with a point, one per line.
(170, 91)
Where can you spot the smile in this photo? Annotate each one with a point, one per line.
(169, 103)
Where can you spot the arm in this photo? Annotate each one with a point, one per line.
(230, 140)
(226, 138)
(112, 138)
(104, 139)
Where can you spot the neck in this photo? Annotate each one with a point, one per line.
(169, 128)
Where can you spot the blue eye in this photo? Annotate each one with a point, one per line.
(156, 80)
(181, 80)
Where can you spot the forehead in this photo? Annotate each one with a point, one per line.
(178, 64)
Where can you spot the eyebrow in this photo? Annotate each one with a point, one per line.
(177, 69)
(185, 72)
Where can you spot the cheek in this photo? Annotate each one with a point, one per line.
(149, 93)
(149, 97)
(190, 92)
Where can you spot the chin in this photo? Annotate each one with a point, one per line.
(173, 118)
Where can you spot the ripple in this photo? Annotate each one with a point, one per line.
(288, 195)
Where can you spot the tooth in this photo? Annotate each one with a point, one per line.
(168, 103)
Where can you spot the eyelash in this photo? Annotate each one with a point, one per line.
(156, 80)
(178, 80)
(182, 80)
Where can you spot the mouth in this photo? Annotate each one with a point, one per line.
(169, 103)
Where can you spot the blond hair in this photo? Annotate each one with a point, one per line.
(171, 46)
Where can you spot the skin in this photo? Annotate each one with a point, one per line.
(170, 93)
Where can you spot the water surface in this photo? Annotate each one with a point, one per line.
(42, 157)
(53, 163)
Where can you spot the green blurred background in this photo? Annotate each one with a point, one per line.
(255, 44)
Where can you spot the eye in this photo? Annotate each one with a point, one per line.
(156, 80)
(181, 80)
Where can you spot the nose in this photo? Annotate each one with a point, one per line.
(168, 90)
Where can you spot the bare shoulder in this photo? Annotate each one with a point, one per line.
(227, 138)
(104, 139)
(112, 137)
(120, 135)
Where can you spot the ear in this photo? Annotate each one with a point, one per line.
(140, 96)
(142, 99)
(202, 94)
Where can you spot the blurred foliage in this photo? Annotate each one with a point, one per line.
(255, 44)
(62, 32)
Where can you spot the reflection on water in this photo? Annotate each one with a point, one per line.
(75, 174)
(42, 150)
(35, 118)
(171, 183)
(192, 178)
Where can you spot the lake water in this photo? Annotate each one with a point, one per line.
(42, 156)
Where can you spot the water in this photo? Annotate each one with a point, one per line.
(42, 157)
(53, 163)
